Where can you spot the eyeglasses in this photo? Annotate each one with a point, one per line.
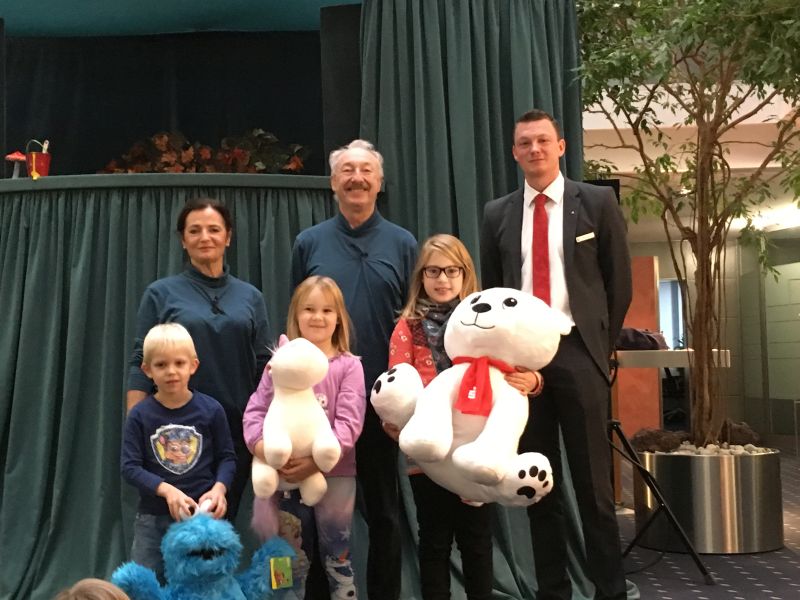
(452, 271)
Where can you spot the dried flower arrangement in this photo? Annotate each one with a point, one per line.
(256, 151)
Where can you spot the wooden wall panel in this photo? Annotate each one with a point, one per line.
(638, 393)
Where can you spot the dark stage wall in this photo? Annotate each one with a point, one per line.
(94, 97)
(341, 74)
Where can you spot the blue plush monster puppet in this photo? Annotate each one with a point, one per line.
(201, 555)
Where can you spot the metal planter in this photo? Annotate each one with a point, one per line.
(726, 504)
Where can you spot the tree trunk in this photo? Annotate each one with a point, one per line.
(707, 418)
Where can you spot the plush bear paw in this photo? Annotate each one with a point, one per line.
(423, 448)
(277, 451)
(394, 394)
(426, 438)
(265, 478)
(326, 455)
(313, 488)
(528, 480)
(475, 461)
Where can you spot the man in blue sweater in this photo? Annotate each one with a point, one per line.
(371, 259)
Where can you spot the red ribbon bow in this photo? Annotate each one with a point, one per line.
(475, 393)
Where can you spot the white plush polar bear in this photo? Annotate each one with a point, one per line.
(475, 455)
(295, 424)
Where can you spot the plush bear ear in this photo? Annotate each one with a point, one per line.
(283, 340)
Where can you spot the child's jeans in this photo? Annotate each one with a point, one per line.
(148, 530)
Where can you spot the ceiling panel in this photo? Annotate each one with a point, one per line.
(64, 18)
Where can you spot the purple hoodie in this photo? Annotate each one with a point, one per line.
(341, 394)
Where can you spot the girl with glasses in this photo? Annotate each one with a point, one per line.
(443, 276)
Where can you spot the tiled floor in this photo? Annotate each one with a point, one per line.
(674, 576)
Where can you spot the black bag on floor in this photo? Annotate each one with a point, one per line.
(631, 338)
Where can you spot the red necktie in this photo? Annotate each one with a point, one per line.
(540, 253)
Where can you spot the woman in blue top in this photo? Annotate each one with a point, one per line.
(226, 317)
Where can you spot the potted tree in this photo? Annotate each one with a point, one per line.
(711, 65)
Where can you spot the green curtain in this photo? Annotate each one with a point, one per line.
(443, 83)
(75, 256)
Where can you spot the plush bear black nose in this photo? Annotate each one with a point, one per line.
(482, 307)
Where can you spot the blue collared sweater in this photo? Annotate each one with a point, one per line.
(372, 264)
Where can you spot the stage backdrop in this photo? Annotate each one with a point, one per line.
(94, 97)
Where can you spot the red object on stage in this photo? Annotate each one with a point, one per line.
(38, 164)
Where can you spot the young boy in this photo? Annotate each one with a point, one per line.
(176, 448)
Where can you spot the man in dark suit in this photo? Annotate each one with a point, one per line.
(585, 266)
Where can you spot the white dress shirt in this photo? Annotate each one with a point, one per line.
(559, 298)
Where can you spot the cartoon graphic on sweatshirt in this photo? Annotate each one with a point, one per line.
(177, 447)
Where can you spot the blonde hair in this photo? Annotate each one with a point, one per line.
(452, 248)
(165, 337)
(93, 589)
(341, 335)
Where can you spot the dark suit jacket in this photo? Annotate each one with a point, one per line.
(597, 269)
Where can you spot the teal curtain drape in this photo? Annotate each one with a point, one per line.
(75, 256)
(443, 83)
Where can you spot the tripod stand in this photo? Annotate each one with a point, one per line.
(628, 453)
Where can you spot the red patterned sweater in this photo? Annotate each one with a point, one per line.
(408, 345)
